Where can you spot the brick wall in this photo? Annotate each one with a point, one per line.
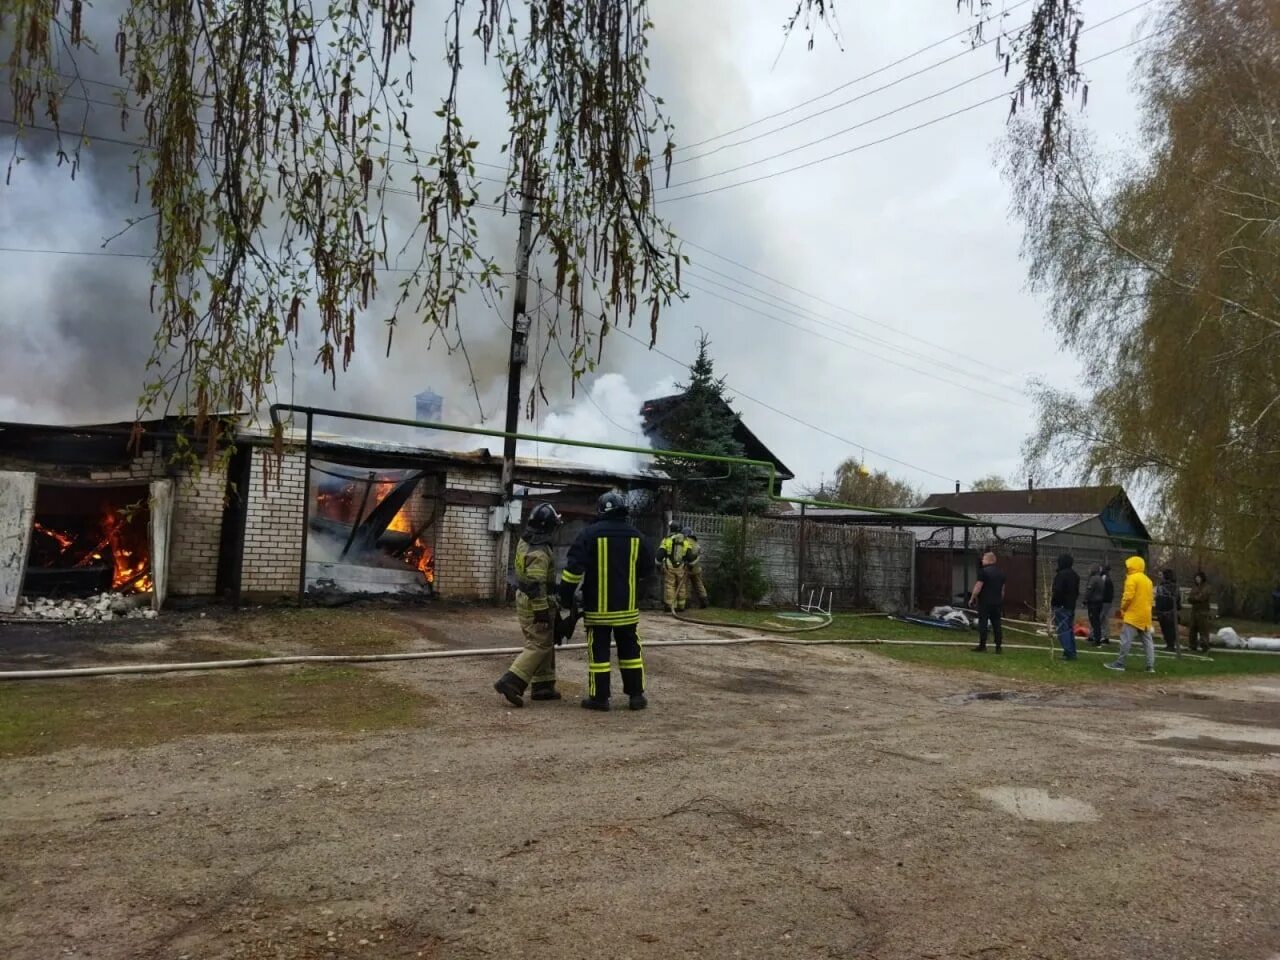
(197, 532)
(466, 552)
(273, 523)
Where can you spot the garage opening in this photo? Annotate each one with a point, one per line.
(90, 538)
(372, 531)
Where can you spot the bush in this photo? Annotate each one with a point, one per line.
(732, 566)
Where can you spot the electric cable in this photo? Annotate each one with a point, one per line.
(871, 143)
(882, 116)
(866, 76)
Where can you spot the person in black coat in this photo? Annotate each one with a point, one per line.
(1066, 593)
(1108, 602)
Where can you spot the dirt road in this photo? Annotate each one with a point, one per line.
(773, 802)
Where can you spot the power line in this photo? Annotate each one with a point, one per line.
(855, 80)
(783, 301)
(873, 143)
(829, 303)
(782, 413)
(844, 103)
(863, 96)
(843, 343)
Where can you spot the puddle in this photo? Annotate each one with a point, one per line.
(1014, 696)
(1214, 744)
(1031, 803)
(1195, 728)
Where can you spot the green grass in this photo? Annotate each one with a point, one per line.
(1015, 664)
(45, 716)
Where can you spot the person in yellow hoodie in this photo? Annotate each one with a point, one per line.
(1135, 611)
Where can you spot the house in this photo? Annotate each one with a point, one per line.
(655, 412)
(1028, 530)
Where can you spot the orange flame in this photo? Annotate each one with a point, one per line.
(128, 555)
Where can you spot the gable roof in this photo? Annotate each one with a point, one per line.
(1057, 508)
(655, 411)
(1049, 500)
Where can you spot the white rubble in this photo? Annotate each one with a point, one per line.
(100, 607)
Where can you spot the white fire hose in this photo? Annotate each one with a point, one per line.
(132, 668)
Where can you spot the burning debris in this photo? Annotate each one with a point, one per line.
(373, 521)
(100, 607)
(88, 541)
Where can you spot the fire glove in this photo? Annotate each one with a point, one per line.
(542, 617)
(564, 628)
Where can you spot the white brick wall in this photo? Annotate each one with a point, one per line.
(273, 525)
(197, 532)
(466, 551)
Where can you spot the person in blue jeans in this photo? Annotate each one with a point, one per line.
(1066, 592)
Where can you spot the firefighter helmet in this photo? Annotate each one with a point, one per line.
(611, 505)
(673, 527)
(688, 532)
(544, 518)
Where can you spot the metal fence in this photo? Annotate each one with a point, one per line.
(861, 568)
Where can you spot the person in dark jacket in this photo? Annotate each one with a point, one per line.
(1093, 593)
(608, 561)
(1168, 603)
(1066, 592)
(988, 596)
(1108, 602)
(1201, 597)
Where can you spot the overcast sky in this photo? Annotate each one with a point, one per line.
(926, 363)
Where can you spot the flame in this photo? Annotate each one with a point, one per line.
(423, 559)
(63, 540)
(131, 563)
(400, 523)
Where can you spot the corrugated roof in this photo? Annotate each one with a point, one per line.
(1047, 501)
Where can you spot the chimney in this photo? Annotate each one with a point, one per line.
(957, 486)
(1031, 485)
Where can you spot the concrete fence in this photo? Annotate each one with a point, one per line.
(862, 568)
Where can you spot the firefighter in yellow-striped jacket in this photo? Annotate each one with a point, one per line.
(608, 560)
(535, 570)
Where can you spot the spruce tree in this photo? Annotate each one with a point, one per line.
(703, 422)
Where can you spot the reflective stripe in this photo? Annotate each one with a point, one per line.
(597, 668)
(612, 619)
(602, 575)
(631, 572)
(636, 664)
(568, 577)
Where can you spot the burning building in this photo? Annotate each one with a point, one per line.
(88, 509)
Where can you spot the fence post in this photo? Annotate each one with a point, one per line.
(1035, 577)
(742, 558)
(800, 558)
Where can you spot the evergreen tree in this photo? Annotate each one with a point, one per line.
(703, 422)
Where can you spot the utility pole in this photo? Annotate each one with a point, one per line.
(518, 357)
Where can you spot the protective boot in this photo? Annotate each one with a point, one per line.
(591, 703)
(544, 690)
(638, 701)
(511, 687)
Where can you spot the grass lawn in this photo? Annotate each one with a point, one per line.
(951, 650)
(44, 716)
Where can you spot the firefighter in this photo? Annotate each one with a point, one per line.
(535, 570)
(608, 561)
(671, 554)
(694, 584)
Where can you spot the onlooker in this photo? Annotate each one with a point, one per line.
(1066, 591)
(1201, 596)
(988, 597)
(1168, 603)
(1135, 610)
(1093, 593)
(1108, 602)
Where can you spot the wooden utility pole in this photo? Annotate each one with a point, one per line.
(518, 357)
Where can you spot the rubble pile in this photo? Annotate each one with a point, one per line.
(100, 607)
